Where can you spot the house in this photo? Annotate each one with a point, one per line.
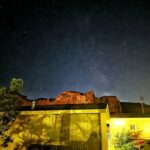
(72, 121)
(75, 120)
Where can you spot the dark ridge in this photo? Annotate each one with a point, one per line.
(128, 107)
(64, 107)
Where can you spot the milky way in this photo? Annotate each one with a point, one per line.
(77, 45)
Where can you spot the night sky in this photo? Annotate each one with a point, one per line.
(76, 45)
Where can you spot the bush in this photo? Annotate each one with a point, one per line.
(123, 141)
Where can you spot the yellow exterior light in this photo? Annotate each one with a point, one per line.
(120, 122)
(139, 127)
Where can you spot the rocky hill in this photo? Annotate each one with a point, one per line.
(72, 97)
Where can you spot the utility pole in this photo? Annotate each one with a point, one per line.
(142, 102)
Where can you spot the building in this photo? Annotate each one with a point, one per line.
(74, 121)
(132, 119)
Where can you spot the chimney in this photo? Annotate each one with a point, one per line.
(33, 105)
(141, 101)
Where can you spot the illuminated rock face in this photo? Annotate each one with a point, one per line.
(67, 97)
(113, 103)
(70, 97)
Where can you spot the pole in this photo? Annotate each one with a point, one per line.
(141, 101)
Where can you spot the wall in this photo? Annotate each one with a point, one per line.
(135, 125)
(80, 128)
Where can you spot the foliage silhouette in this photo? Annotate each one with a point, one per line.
(8, 109)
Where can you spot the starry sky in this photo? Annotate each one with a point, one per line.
(77, 45)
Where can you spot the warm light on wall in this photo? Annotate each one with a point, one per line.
(119, 122)
(58, 127)
(141, 125)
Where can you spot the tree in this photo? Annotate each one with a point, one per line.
(31, 130)
(16, 85)
(8, 108)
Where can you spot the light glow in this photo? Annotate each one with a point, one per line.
(119, 122)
